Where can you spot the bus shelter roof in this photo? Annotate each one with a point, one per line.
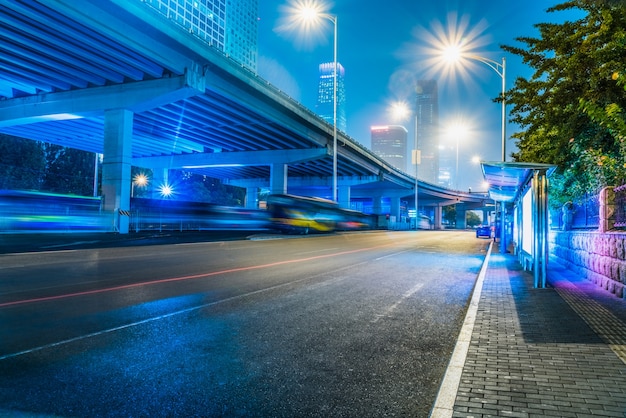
(506, 179)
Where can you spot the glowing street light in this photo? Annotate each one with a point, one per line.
(140, 180)
(165, 190)
(311, 14)
(455, 54)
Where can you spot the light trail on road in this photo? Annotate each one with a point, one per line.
(184, 278)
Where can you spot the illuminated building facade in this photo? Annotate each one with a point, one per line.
(427, 114)
(389, 143)
(228, 25)
(325, 95)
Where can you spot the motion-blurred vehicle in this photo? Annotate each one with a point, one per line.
(298, 214)
(483, 231)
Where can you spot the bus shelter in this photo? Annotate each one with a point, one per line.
(521, 191)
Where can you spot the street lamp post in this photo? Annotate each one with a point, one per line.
(311, 13)
(454, 53)
(500, 69)
(416, 161)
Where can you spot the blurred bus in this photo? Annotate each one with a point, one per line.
(298, 214)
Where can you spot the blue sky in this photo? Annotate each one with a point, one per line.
(383, 45)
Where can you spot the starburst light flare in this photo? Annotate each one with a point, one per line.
(309, 20)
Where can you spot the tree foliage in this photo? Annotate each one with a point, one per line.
(571, 110)
(22, 163)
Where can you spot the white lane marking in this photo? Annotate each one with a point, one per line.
(393, 307)
(394, 254)
(444, 404)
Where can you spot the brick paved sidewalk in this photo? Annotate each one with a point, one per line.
(532, 354)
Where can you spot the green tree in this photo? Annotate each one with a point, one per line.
(472, 219)
(199, 188)
(22, 163)
(449, 214)
(69, 171)
(570, 110)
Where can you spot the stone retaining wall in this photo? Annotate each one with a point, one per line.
(597, 256)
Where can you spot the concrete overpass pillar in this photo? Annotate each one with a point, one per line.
(377, 205)
(252, 197)
(486, 216)
(116, 164)
(278, 178)
(460, 216)
(343, 197)
(438, 217)
(395, 208)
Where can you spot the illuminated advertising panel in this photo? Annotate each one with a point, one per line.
(527, 222)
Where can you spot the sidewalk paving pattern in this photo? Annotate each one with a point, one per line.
(558, 352)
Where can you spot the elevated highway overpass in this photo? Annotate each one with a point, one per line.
(118, 78)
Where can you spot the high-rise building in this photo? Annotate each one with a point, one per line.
(325, 95)
(389, 143)
(228, 25)
(427, 114)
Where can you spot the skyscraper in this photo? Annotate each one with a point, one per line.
(325, 95)
(389, 143)
(228, 25)
(427, 114)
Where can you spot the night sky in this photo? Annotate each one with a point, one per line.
(384, 49)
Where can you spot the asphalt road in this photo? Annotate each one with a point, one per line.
(343, 325)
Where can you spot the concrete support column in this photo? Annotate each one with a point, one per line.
(252, 197)
(438, 217)
(116, 164)
(377, 205)
(395, 208)
(278, 178)
(344, 197)
(486, 216)
(461, 212)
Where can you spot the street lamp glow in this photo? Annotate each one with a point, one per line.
(140, 180)
(452, 54)
(400, 111)
(165, 190)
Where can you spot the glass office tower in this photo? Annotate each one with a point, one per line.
(325, 95)
(389, 143)
(427, 114)
(228, 25)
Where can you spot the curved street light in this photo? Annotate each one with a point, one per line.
(311, 14)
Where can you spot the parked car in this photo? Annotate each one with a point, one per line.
(483, 231)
